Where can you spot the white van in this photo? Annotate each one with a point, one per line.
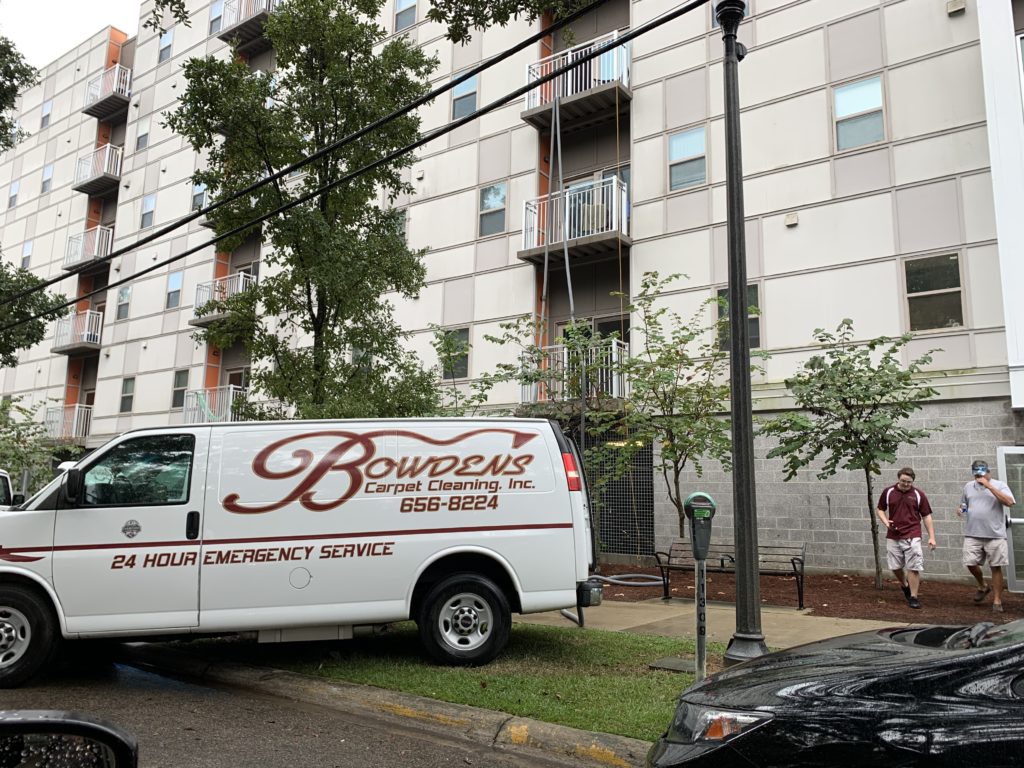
(300, 530)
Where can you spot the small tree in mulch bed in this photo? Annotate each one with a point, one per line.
(853, 400)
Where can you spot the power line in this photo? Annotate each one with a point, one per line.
(355, 136)
(391, 157)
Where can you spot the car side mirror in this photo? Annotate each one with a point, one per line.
(17, 499)
(43, 737)
(72, 487)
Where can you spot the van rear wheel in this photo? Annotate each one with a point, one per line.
(465, 620)
(28, 635)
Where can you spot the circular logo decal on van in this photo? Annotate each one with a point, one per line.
(132, 529)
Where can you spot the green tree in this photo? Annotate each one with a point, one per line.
(14, 281)
(321, 335)
(15, 76)
(458, 395)
(853, 400)
(24, 444)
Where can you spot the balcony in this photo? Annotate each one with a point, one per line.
(558, 373)
(107, 95)
(592, 217)
(68, 422)
(242, 25)
(221, 289)
(99, 172)
(589, 94)
(78, 335)
(203, 406)
(92, 244)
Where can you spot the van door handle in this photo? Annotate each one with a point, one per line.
(192, 525)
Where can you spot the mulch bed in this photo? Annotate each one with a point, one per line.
(838, 595)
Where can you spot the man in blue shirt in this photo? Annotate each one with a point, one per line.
(981, 503)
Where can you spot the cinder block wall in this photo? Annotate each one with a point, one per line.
(832, 515)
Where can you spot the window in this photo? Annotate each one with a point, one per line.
(124, 298)
(166, 41)
(753, 318)
(198, 197)
(47, 111)
(12, 194)
(147, 471)
(216, 16)
(142, 134)
(179, 388)
(26, 254)
(464, 98)
(405, 14)
(173, 290)
(859, 117)
(127, 395)
(933, 292)
(47, 179)
(687, 161)
(148, 208)
(457, 348)
(492, 209)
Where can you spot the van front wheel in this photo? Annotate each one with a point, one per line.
(28, 635)
(465, 620)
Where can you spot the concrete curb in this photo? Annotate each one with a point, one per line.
(480, 725)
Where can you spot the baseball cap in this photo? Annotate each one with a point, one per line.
(979, 467)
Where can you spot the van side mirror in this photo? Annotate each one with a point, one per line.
(43, 737)
(17, 499)
(72, 487)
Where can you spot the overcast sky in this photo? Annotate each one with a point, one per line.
(44, 30)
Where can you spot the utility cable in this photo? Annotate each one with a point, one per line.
(389, 158)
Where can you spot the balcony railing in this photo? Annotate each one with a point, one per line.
(585, 210)
(610, 68)
(561, 371)
(80, 332)
(92, 244)
(217, 404)
(221, 289)
(242, 23)
(99, 171)
(68, 422)
(108, 93)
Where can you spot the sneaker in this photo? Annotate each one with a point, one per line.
(906, 591)
(915, 603)
(980, 594)
(997, 607)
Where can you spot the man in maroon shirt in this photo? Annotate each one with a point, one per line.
(901, 508)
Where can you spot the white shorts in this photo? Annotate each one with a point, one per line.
(905, 553)
(991, 552)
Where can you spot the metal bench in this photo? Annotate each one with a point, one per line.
(773, 559)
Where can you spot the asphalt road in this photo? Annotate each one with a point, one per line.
(180, 724)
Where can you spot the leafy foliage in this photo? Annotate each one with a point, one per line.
(853, 400)
(14, 281)
(322, 336)
(15, 76)
(24, 444)
(457, 398)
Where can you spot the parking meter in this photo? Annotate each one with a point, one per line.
(700, 509)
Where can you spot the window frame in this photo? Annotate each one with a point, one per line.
(26, 254)
(148, 209)
(460, 95)
(462, 360)
(165, 49)
(198, 190)
(400, 9)
(174, 277)
(218, 18)
(142, 134)
(179, 389)
(127, 393)
(112, 453)
(481, 211)
(46, 185)
(47, 114)
(683, 159)
(723, 312)
(124, 299)
(959, 289)
(12, 193)
(880, 110)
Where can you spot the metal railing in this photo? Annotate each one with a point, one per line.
(64, 422)
(610, 66)
(560, 372)
(582, 211)
(106, 159)
(117, 80)
(217, 404)
(92, 244)
(82, 328)
(237, 11)
(223, 288)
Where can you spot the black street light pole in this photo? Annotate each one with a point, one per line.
(748, 640)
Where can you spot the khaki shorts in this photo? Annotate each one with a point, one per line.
(991, 552)
(905, 553)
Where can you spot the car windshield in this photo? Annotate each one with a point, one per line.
(1002, 634)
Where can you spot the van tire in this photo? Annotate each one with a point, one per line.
(465, 620)
(28, 635)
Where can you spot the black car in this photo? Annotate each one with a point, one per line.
(906, 696)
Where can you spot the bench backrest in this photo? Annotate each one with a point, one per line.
(723, 555)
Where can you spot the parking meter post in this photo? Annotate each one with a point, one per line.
(700, 509)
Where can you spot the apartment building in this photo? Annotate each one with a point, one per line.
(884, 168)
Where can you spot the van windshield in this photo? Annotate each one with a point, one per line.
(5, 491)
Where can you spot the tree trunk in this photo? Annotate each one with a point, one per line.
(874, 529)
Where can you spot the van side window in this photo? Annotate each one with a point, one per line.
(146, 471)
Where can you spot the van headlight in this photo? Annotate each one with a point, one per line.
(695, 724)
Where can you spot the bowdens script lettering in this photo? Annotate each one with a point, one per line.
(355, 456)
